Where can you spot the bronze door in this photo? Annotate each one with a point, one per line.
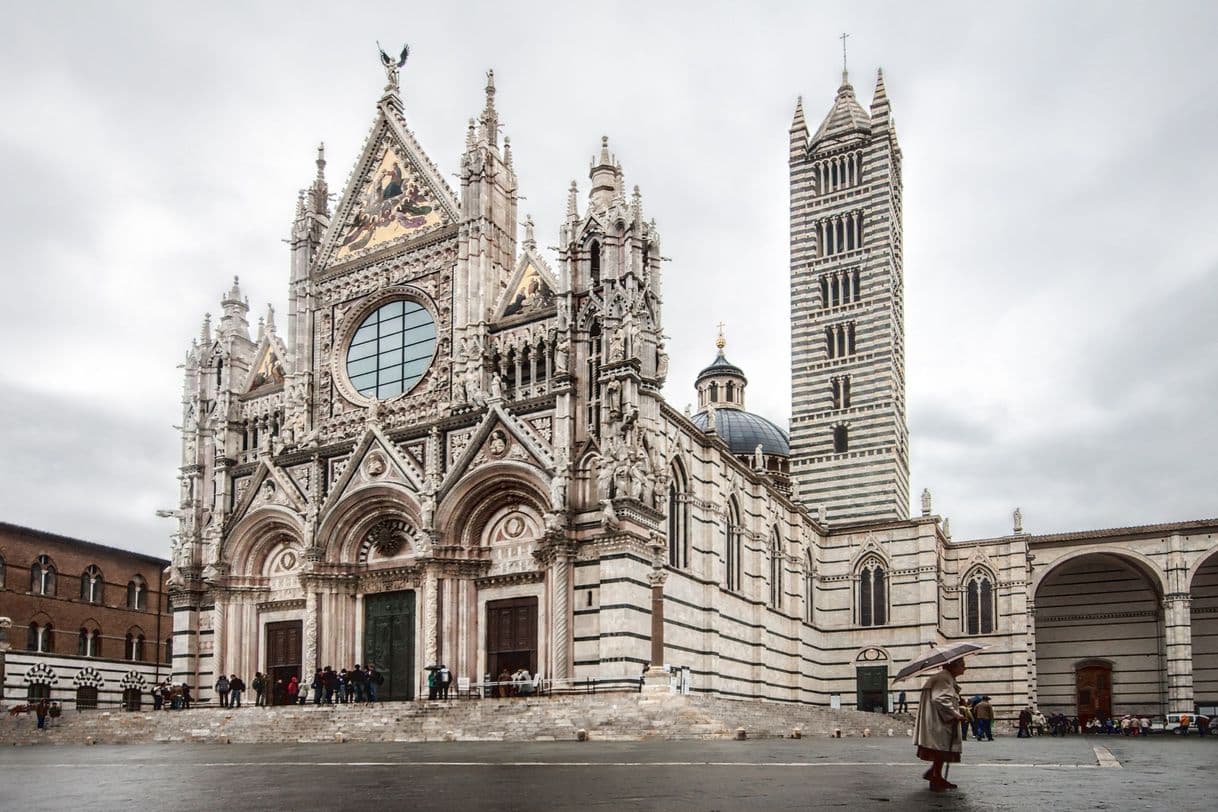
(871, 685)
(511, 636)
(1093, 684)
(389, 642)
(283, 657)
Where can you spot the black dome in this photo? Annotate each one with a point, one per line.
(742, 431)
(720, 366)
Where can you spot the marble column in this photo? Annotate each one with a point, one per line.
(1178, 645)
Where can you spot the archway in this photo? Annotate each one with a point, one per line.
(1099, 637)
(1203, 590)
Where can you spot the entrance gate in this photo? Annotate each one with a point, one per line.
(872, 686)
(511, 636)
(283, 656)
(1093, 684)
(389, 642)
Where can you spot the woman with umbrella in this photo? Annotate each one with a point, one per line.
(937, 730)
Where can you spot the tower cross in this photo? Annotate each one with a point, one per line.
(843, 39)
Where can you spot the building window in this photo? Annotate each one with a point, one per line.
(3, 568)
(840, 233)
(42, 576)
(135, 645)
(594, 262)
(86, 697)
(979, 608)
(776, 571)
(392, 349)
(732, 547)
(873, 593)
(841, 439)
(40, 638)
(809, 588)
(594, 385)
(678, 519)
(137, 593)
(88, 644)
(91, 585)
(839, 388)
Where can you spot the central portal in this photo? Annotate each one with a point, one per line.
(389, 641)
(511, 636)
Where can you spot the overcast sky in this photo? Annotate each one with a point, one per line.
(1061, 258)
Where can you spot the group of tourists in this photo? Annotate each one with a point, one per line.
(330, 687)
(515, 683)
(171, 696)
(229, 690)
(439, 680)
(977, 715)
(1034, 723)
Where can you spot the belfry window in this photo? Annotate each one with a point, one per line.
(594, 262)
(841, 439)
(91, 585)
(594, 373)
(979, 603)
(872, 593)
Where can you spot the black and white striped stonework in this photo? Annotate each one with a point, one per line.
(850, 455)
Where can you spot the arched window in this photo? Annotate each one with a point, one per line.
(873, 593)
(137, 593)
(82, 643)
(135, 645)
(168, 651)
(979, 609)
(594, 374)
(809, 588)
(91, 585)
(594, 262)
(678, 518)
(33, 637)
(86, 697)
(841, 439)
(88, 644)
(732, 551)
(731, 393)
(775, 570)
(42, 576)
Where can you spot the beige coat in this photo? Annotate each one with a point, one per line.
(938, 725)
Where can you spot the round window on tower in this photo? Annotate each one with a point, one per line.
(392, 349)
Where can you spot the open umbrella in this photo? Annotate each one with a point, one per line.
(936, 656)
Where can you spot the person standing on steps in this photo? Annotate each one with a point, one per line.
(444, 678)
(902, 705)
(937, 724)
(222, 689)
(259, 685)
(236, 685)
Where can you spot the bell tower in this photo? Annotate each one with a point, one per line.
(849, 439)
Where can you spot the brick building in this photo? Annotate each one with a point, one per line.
(89, 622)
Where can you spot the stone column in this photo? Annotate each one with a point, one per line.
(309, 655)
(655, 678)
(1178, 642)
(428, 616)
(1030, 645)
(560, 645)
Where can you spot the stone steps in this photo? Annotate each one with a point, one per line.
(614, 717)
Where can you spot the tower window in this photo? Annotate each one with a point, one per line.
(594, 373)
(841, 439)
(979, 609)
(809, 588)
(594, 262)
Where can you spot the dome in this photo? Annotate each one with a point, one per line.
(720, 366)
(742, 431)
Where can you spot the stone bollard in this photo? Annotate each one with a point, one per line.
(741, 734)
(866, 733)
(340, 737)
(449, 736)
(890, 733)
(90, 740)
(797, 734)
(837, 732)
(909, 731)
(581, 735)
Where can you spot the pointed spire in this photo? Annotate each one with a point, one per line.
(798, 121)
(636, 205)
(234, 293)
(490, 118)
(507, 152)
(529, 241)
(319, 192)
(881, 117)
(205, 333)
(605, 175)
(573, 202)
(261, 328)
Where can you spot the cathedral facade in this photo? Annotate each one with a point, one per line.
(458, 452)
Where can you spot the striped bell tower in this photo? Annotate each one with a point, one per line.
(849, 440)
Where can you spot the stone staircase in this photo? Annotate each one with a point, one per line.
(605, 717)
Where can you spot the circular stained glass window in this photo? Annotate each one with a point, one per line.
(391, 349)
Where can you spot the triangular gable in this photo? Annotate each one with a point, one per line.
(530, 290)
(395, 194)
(267, 369)
(522, 445)
(268, 485)
(375, 459)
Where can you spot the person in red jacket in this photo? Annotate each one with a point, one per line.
(293, 689)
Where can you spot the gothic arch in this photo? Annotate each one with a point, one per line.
(474, 500)
(1148, 568)
(1203, 559)
(257, 535)
(343, 529)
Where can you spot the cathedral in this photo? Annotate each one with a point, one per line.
(457, 451)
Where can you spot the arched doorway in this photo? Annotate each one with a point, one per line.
(1099, 638)
(1203, 590)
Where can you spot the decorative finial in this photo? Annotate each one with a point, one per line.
(391, 67)
(572, 201)
(720, 342)
(845, 78)
(321, 159)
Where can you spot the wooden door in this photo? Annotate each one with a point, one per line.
(283, 657)
(1093, 686)
(389, 642)
(871, 683)
(511, 635)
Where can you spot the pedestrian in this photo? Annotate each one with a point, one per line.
(157, 700)
(330, 682)
(939, 711)
(358, 681)
(444, 678)
(317, 685)
(348, 686)
(966, 720)
(375, 681)
(259, 685)
(293, 690)
(432, 688)
(902, 705)
(41, 710)
(237, 686)
(1145, 724)
(222, 689)
(186, 697)
(984, 713)
(1185, 721)
(1025, 723)
(1039, 722)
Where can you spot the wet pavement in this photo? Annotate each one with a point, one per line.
(1043, 773)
